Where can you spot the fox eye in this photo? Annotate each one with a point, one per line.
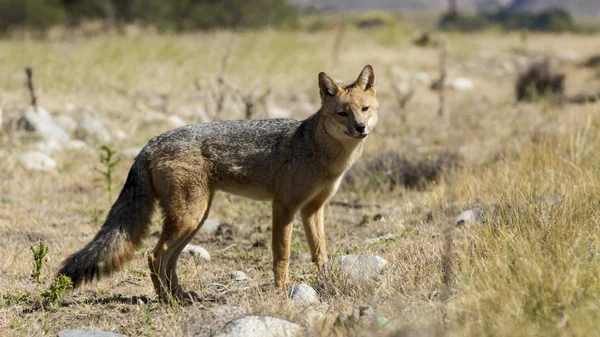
(365, 108)
(343, 114)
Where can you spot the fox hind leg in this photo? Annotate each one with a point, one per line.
(177, 291)
(185, 198)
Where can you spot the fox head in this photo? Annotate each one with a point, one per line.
(349, 109)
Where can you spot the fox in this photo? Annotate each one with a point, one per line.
(297, 165)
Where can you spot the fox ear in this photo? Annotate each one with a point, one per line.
(366, 79)
(328, 86)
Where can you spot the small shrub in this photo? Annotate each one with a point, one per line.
(109, 160)
(391, 170)
(61, 285)
(540, 80)
(39, 255)
(16, 298)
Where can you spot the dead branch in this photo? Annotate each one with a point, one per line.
(29, 73)
(442, 79)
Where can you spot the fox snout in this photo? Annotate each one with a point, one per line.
(360, 127)
(358, 130)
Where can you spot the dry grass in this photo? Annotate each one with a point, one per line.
(532, 269)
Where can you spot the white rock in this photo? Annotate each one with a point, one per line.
(380, 238)
(41, 122)
(95, 128)
(274, 112)
(304, 294)
(120, 134)
(1, 113)
(475, 215)
(88, 333)
(359, 267)
(467, 217)
(37, 161)
(197, 251)
(262, 326)
(49, 146)
(175, 121)
(67, 123)
(237, 275)
(210, 226)
(461, 84)
(76, 145)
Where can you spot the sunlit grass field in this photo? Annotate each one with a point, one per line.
(531, 267)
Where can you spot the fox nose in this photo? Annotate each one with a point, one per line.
(360, 127)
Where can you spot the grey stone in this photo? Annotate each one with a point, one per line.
(37, 161)
(197, 251)
(358, 267)
(262, 326)
(88, 333)
(237, 275)
(210, 226)
(304, 294)
(40, 122)
(475, 215)
(94, 128)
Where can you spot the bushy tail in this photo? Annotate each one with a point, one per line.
(123, 230)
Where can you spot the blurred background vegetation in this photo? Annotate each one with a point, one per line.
(190, 15)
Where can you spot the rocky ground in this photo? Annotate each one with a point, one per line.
(478, 221)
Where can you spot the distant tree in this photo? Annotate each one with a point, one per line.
(175, 15)
(452, 14)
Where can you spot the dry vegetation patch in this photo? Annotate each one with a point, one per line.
(532, 268)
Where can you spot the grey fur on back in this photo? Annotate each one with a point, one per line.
(243, 154)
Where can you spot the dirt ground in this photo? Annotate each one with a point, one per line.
(530, 268)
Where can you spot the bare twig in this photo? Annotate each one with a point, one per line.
(29, 73)
(225, 88)
(355, 205)
(447, 268)
(220, 93)
(442, 79)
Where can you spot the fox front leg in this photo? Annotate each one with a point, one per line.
(282, 235)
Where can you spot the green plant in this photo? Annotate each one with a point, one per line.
(110, 161)
(38, 261)
(57, 290)
(16, 298)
